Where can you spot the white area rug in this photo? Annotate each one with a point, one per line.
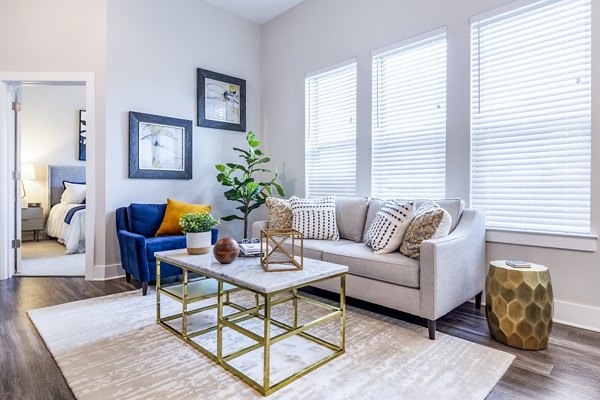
(48, 258)
(112, 348)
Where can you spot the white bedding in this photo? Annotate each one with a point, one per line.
(71, 235)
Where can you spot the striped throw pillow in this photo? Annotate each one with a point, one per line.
(387, 229)
(315, 217)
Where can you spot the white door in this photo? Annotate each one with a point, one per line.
(18, 187)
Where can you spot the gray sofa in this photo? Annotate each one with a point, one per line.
(451, 269)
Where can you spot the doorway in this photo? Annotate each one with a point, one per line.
(38, 183)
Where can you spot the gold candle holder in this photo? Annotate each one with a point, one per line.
(274, 257)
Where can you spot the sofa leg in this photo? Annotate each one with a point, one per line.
(128, 277)
(431, 327)
(478, 300)
(144, 288)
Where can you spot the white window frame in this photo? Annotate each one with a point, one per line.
(374, 104)
(343, 64)
(559, 240)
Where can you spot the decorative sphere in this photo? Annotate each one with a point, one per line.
(226, 250)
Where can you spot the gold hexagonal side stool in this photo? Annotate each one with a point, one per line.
(519, 305)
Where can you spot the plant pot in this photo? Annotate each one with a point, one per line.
(198, 242)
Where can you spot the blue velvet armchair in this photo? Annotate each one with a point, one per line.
(136, 230)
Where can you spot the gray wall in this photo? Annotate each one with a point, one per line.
(320, 33)
(153, 50)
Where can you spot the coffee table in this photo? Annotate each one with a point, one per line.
(246, 274)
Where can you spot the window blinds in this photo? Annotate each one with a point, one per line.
(409, 119)
(330, 148)
(531, 117)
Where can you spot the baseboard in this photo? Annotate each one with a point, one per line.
(572, 314)
(577, 315)
(108, 272)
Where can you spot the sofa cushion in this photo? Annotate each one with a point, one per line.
(144, 219)
(387, 229)
(351, 213)
(163, 243)
(393, 267)
(431, 222)
(313, 248)
(455, 208)
(280, 213)
(174, 211)
(315, 217)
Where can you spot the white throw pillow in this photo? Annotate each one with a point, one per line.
(74, 193)
(389, 225)
(315, 218)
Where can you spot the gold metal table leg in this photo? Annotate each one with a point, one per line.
(184, 305)
(267, 346)
(295, 300)
(220, 321)
(157, 290)
(343, 308)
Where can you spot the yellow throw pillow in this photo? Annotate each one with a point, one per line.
(175, 209)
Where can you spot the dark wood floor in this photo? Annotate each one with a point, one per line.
(568, 369)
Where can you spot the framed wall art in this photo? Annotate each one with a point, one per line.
(82, 134)
(159, 147)
(221, 101)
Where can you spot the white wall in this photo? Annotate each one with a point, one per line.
(320, 33)
(49, 132)
(153, 50)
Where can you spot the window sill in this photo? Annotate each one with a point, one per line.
(568, 241)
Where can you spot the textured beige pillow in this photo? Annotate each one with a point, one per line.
(430, 222)
(280, 213)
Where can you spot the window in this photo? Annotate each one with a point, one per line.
(531, 117)
(409, 119)
(330, 149)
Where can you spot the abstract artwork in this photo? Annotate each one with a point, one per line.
(221, 101)
(159, 147)
(82, 134)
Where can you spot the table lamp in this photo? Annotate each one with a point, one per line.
(27, 173)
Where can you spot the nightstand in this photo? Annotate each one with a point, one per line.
(32, 219)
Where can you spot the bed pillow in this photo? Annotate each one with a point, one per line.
(431, 222)
(175, 209)
(315, 218)
(74, 193)
(389, 225)
(280, 213)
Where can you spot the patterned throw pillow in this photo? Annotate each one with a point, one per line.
(315, 218)
(280, 213)
(388, 227)
(431, 222)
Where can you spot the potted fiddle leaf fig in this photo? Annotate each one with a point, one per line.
(245, 187)
(196, 227)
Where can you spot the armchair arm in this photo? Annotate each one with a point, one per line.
(453, 267)
(257, 226)
(133, 254)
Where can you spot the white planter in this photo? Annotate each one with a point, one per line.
(198, 242)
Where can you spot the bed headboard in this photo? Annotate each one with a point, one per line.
(59, 173)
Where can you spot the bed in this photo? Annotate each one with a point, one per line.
(66, 221)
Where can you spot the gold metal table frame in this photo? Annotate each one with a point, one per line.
(181, 293)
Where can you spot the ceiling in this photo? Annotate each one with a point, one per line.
(257, 11)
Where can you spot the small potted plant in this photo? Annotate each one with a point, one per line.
(196, 227)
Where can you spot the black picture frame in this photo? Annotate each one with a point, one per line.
(82, 134)
(207, 116)
(161, 132)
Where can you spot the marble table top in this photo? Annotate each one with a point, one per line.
(247, 272)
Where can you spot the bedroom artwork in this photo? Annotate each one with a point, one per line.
(82, 134)
(159, 147)
(221, 101)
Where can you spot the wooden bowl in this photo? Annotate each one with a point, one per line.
(226, 250)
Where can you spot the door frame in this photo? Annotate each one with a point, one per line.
(7, 154)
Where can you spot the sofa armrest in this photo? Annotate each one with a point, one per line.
(453, 267)
(257, 226)
(133, 254)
